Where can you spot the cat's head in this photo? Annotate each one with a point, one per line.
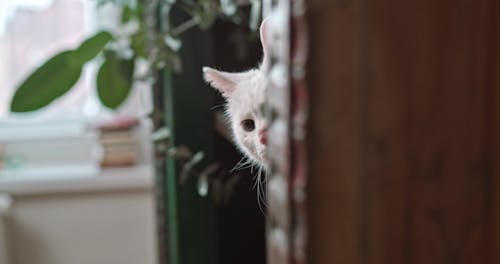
(245, 94)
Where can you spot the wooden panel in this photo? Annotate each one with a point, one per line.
(494, 133)
(335, 131)
(403, 132)
(426, 132)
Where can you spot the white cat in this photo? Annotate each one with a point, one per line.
(245, 93)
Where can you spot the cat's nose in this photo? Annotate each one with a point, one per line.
(263, 136)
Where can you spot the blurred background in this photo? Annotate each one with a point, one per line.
(383, 132)
(106, 126)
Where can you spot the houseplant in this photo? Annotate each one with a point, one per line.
(150, 40)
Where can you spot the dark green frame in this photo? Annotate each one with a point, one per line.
(191, 219)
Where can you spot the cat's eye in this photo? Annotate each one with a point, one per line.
(248, 125)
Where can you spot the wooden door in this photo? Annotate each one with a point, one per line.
(404, 131)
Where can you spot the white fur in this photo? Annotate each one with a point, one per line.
(244, 98)
(245, 103)
(245, 93)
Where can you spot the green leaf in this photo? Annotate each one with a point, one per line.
(205, 14)
(57, 76)
(127, 14)
(114, 80)
(139, 44)
(91, 47)
(131, 12)
(50, 81)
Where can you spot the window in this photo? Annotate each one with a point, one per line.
(31, 31)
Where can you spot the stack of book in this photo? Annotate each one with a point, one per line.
(56, 147)
(120, 142)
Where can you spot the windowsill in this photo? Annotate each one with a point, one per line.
(139, 177)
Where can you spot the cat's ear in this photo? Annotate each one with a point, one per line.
(263, 40)
(225, 82)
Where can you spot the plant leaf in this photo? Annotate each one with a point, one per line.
(50, 81)
(127, 14)
(57, 76)
(114, 81)
(139, 44)
(91, 47)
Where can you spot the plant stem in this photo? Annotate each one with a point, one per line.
(185, 26)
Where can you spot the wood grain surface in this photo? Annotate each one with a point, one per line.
(404, 131)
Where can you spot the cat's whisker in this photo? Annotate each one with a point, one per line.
(238, 165)
(256, 181)
(258, 194)
(246, 167)
(215, 107)
(242, 164)
(263, 182)
(261, 197)
(242, 168)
